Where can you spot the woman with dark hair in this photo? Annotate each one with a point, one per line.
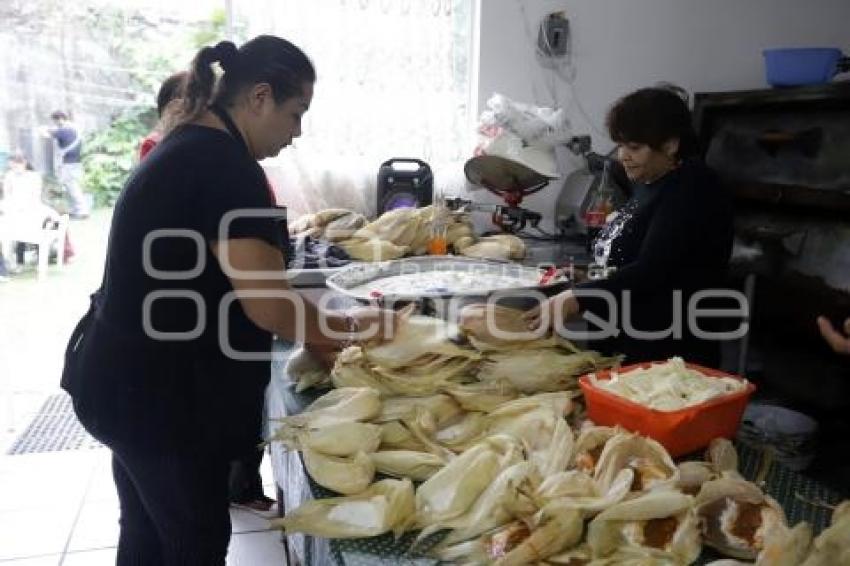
(170, 365)
(673, 236)
(168, 96)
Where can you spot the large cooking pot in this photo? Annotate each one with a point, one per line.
(427, 281)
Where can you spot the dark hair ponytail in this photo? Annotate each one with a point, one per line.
(264, 59)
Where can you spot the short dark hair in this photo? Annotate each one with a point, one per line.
(58, 115)
(264, 59)
(653, 116)
(171, 88)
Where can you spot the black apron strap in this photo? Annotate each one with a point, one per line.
(228, 123)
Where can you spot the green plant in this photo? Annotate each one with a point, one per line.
(110, 154)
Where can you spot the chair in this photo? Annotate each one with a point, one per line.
(12, 231)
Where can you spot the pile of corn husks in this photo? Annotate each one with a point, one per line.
(401, 232)
(504, 468)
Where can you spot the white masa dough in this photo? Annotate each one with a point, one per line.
(448, 282)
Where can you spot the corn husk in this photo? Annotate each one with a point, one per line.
(589, 440)
(638, 556)
(498, 247)
(722, 456)
(462, 243)
(347, 476)
(786, 547)
(483, 397)
(306, 371)
(462, 433)
(652, 464)
(423, 428)
(554, 531)
(535, 428)
(622, 525)
(348, 404)
(415, 337)
(841, 511)
(343, 227)
(571, 489)
(543, 535)
(692, 475)
(570, 483)
(365, 248)
(556, 457)
(339, 439)
(416, 381)
(580, 554)
(385, 506)
(352, 370)
(832, 546)
(441, 406)
(451, 491)
(718, 503)
(491, 327)
(492, 509)
(417, 466)
(396, 436)
(560, 402)
(542, 370)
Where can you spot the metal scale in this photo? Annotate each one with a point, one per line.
(513, 181)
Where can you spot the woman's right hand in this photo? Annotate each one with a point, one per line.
(553, 311)
(371, 325)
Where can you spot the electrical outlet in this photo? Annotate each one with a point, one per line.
(553, 35)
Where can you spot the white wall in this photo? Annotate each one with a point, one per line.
(622, 45)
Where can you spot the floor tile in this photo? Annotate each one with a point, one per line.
(57, 479)
(101, 557)
(102, 487)
(255, 549)
(48, 560)
(96, 527)
(35, 532)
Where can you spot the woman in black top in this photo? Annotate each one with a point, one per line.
(673, 236)
(169, 366)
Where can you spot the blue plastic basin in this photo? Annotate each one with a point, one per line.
(801, 66)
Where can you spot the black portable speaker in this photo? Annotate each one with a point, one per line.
(404, 182)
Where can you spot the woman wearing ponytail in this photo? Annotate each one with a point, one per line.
(169, 366)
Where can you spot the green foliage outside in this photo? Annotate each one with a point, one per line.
(110, 154)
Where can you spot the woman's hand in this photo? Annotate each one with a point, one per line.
(370, 325)
(560, 307)
(837, 341)
(324, 354)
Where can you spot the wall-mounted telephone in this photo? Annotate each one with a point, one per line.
(553, 35)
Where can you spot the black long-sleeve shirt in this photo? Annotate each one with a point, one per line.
(673, 234)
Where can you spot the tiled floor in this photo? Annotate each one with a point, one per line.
(60, 509)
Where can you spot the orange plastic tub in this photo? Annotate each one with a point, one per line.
(680, 432)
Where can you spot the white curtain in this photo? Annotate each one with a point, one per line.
(393, 81)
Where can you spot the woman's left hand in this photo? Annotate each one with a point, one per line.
(560, 308)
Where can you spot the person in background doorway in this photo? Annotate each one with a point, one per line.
(70, 167)
(839, 342)
(167, 98)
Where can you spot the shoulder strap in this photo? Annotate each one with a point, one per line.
(228, 123)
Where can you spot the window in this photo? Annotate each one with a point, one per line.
(393, 81)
